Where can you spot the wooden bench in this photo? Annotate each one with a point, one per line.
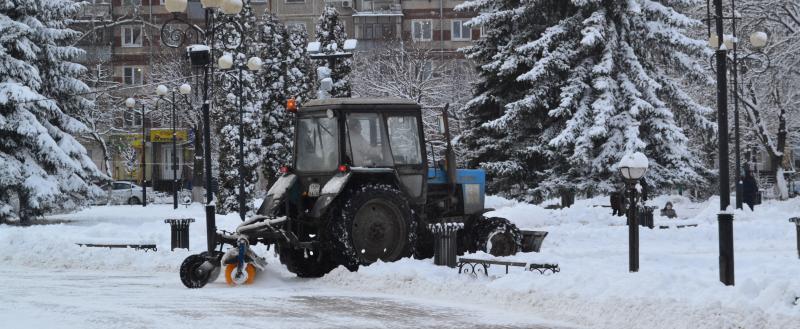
(144, 247)
(475, 266)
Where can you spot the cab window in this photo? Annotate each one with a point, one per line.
(404, 139)
(366, 141)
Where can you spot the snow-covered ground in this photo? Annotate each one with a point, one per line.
(677, 286)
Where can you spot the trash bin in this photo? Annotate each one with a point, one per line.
(179, 231)
(567, 198)
(645, 216)
(445, 243)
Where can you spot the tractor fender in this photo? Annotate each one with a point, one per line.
(332, 188)
(276, 194)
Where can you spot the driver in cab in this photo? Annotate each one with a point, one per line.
(362, 151)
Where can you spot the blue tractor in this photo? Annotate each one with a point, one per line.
(359, 190)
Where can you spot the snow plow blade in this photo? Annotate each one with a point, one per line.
(532, 240)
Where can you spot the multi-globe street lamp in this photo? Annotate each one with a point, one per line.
(161, 91)
(225, 63)
(633, 167)
(130, 103)
(756, 61)
(179, 31)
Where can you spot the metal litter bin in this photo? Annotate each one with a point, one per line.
(445, 243)
(645, 215)
(179, 231)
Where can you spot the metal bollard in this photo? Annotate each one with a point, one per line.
(179, 230)
(796, 221)
(445, 243)
(726, 261)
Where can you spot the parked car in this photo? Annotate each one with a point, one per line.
(123, 192)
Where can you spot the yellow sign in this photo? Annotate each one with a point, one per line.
(165, 135)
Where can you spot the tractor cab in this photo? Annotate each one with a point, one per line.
(366, 140)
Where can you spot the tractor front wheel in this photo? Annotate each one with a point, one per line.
(374, 222)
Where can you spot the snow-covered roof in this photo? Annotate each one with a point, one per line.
(360, 101)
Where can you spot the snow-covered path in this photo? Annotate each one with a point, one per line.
(36, 298)
(47, 278)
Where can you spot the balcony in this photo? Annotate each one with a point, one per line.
(97, 10)
(378, 8)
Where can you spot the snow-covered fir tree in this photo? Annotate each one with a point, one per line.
(569, 87)
(331, 35)
(42, 166)
(299, 72)
(275, 126)
(229, 92)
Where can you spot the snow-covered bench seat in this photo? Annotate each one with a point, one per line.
(482, 261)
(144, 247)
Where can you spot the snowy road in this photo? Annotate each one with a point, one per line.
(88, 299)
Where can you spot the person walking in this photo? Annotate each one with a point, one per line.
(749, 189)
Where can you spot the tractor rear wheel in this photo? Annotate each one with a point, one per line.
(497, 236)
(303, 262)
(373, 222)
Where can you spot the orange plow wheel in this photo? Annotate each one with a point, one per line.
(230, 272)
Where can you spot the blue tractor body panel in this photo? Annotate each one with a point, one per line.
(471, 183)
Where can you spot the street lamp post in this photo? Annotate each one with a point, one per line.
(185, 90)
(131, 103)
(633, 167)
(177, 32)
(226, 62)
(721, 44)
(315, 51)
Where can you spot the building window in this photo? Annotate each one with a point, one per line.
(483, 31)
(424, 70)
(131, 118)
(796, 158)
(132, 75)
(459, 31)
(422, 30)
(131, 36)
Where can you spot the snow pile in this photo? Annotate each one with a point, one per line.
(55, 246)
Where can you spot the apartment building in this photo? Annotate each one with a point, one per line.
(123, 38)
(431, 24)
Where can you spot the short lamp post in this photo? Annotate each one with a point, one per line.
(226, 63)
(633, 167)
(130, 103)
